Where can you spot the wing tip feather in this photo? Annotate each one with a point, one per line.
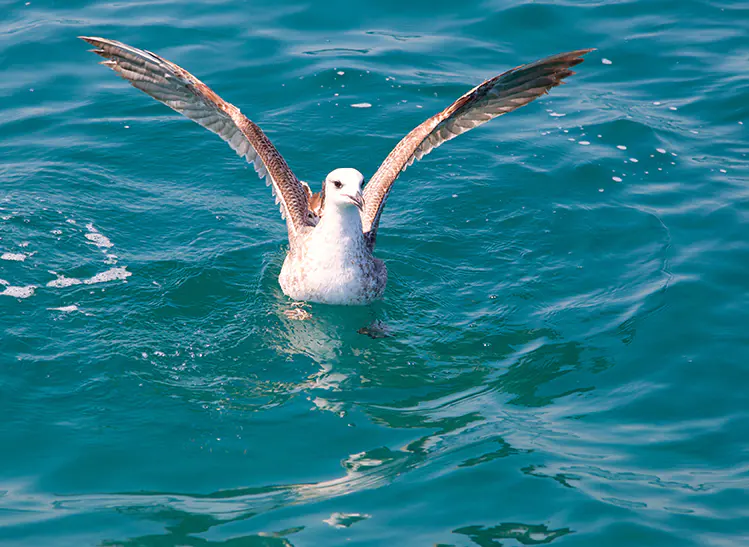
(95, 41)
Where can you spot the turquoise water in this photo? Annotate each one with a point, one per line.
(567, 353)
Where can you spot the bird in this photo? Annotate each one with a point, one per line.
(331, 233)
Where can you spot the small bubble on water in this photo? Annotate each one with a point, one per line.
(621, 147)
(606, 61)
(616, 179)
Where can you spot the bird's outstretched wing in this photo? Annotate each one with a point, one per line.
(183, 92)
(494, 97)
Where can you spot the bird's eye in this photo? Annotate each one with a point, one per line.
(338, 184)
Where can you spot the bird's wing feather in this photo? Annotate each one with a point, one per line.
(183, 92)
(494, 97)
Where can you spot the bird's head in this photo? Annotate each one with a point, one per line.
(343, 188)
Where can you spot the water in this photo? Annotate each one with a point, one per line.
(567, 351)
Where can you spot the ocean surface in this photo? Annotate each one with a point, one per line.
(561, 355)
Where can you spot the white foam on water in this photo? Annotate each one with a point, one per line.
(112, 274)
(616, 179)
(16, 292)
(63, 281)
(584, 143)
(96, 237)
(361, 105)
(65, 309)
(15, 257)
(606, 61)
(621, 147)
(661, 150)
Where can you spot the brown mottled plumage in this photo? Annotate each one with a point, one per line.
(317, 268)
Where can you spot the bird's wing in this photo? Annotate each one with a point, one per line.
(494, 97)
(183, 92)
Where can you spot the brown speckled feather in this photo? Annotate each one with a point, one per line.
(183, 92)
(494, 97)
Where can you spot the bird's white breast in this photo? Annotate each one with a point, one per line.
(334, 265)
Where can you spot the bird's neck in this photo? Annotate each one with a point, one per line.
(341, 222)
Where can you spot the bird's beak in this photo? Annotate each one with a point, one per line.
(357, 200)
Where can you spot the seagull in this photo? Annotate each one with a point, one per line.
(332, 233)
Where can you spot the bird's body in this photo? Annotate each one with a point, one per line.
(332, 234)
(332, 262)
(334, 266)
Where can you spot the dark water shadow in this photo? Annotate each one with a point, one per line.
(525, 534)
